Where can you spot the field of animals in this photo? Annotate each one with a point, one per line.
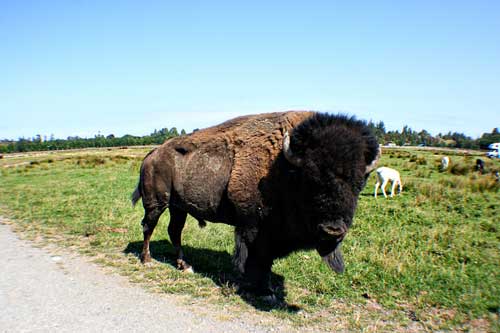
(426, 258)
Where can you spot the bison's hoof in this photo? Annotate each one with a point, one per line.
(188, 270)
(145, 258)
(184, 266)
(270, 299)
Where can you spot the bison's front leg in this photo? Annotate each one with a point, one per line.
(257, 276)
(254, 263)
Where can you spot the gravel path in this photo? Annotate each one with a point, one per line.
(45, 290)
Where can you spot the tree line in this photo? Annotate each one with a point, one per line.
(405, 137)
(409, 137)
(38, 143)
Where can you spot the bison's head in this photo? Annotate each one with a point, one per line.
(335, 155)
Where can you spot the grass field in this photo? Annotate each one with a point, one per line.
(427, 259)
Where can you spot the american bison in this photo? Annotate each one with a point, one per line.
(285, 181)
(480, 166)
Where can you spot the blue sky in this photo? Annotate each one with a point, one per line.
(128, 67)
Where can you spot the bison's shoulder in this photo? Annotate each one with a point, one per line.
(261, 143)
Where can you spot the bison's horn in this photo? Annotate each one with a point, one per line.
(287, 151)
(373, 164)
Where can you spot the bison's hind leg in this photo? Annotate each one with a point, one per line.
(149, 222)
(202, 223)
(177, 221)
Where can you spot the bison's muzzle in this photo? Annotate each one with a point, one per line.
(331, 236)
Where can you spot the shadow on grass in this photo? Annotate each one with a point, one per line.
(217, 266)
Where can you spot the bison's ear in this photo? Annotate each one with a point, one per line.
(371, 165)
(335, 260)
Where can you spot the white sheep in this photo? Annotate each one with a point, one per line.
(384, 175)
(445, 163)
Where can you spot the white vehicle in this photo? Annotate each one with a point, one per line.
(493, 153)
(494, 146)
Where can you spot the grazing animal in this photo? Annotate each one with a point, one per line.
(384, 175)
(286, 181)
(480, 166)
(445, 163)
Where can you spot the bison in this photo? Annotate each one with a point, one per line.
(480, 166)
(286, 181)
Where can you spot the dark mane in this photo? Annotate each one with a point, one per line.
(334, 142)
(309, 133)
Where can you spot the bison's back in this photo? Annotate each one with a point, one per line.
(249, 130)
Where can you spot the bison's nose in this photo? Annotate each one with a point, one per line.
(336, 230)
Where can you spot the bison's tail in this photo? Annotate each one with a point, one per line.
(137, 192)
(136, 195)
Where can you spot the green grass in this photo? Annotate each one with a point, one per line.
(433, 251)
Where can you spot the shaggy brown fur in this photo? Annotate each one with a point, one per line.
(233, 156)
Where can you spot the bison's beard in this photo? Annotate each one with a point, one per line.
(332, 254)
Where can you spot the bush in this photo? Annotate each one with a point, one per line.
(460, 169)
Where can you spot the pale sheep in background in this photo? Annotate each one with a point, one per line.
(445, 163)
(384, 175)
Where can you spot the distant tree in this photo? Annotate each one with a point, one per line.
(22, 145)
(425, 138)
(488, 138)
(378, 130)
(459, 140)
(381, 127)
(173, 132)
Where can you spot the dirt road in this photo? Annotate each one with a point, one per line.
(46, 290)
